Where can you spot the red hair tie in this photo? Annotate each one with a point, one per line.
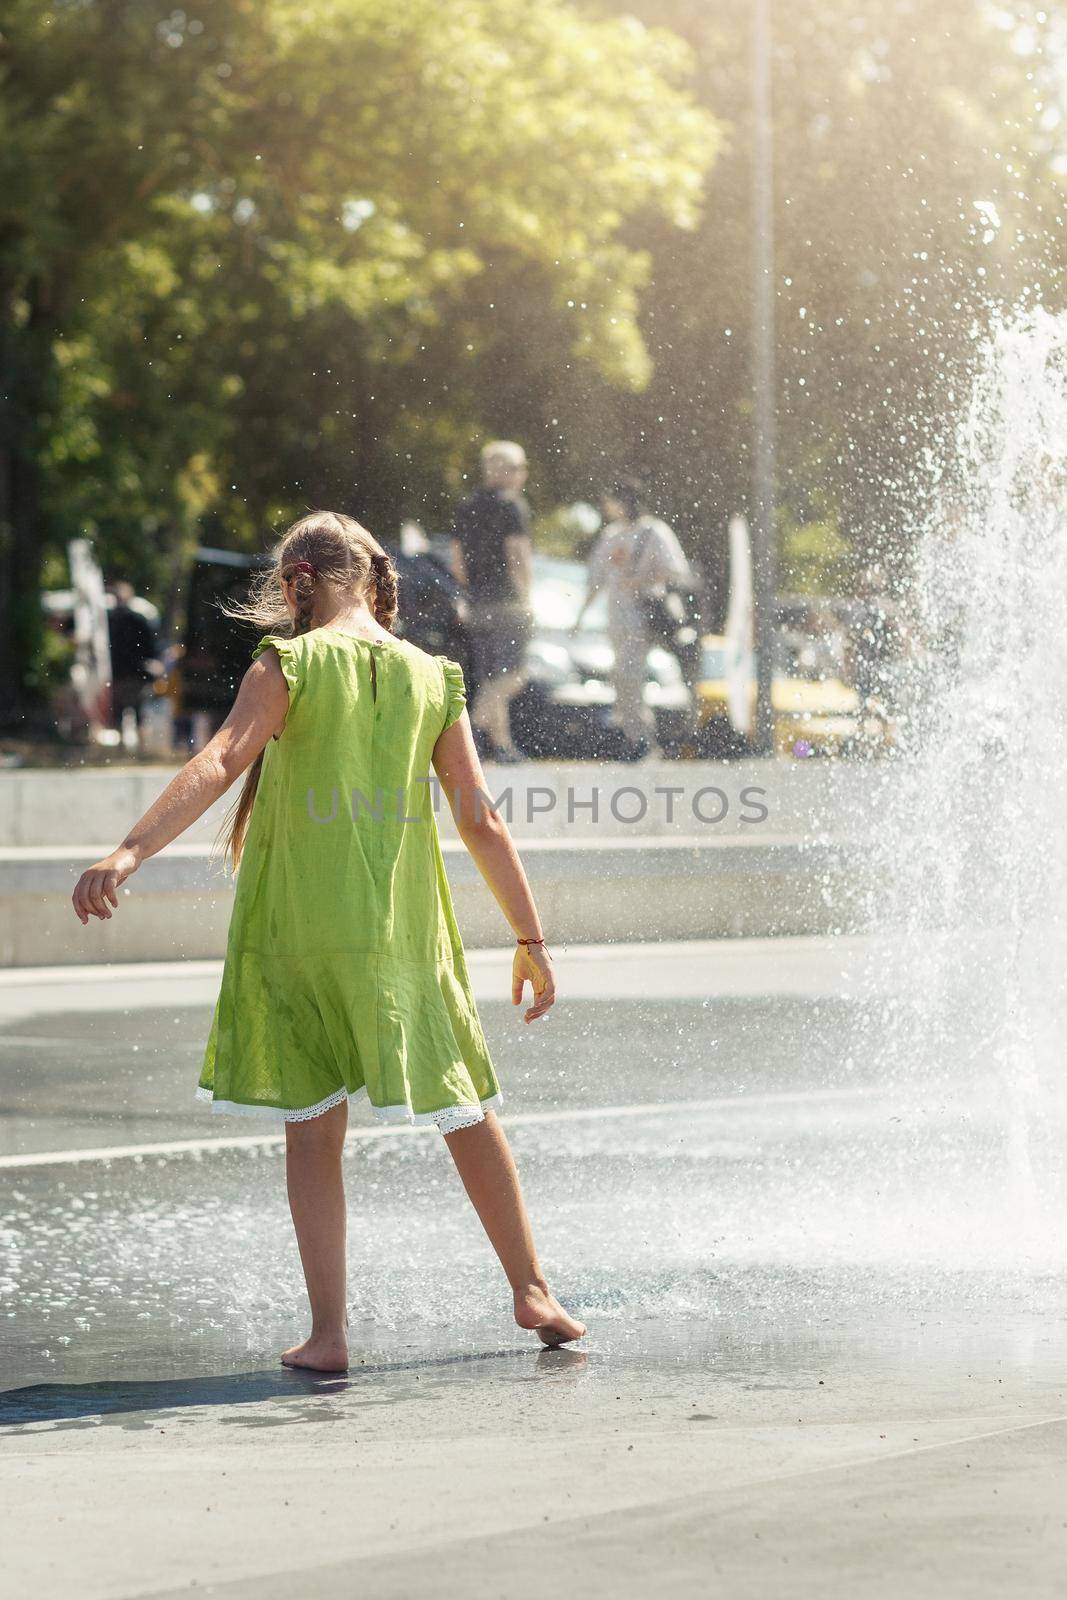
(304, 566)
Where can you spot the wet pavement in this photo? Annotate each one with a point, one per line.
(826, 1298)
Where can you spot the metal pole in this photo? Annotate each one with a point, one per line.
(763, 280)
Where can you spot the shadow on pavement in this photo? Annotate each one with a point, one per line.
(67, 1402)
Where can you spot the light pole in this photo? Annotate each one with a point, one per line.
(765, 576)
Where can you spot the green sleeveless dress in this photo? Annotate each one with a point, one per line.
(345, 972)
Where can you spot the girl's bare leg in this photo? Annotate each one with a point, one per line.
(313, 1152)
(485, 1164)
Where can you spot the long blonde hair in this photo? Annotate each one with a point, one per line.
(343, 555)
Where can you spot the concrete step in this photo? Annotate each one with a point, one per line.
(685, 886)
(538, 799)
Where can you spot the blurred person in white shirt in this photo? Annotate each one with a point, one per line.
(636, 554)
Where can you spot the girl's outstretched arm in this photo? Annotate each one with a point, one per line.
(488, 838)
(257, 713)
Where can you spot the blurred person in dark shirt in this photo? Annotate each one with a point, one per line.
(492, 557)
(134, 653)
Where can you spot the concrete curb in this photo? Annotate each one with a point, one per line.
(178, 905)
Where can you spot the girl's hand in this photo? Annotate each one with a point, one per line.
(533, 963)
(98, 884)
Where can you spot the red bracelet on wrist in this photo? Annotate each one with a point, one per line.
(528, 942)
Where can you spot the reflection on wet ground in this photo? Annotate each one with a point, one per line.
(56, 1402)
(751, 1191)
(776, 1349)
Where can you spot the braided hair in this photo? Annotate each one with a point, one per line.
(386, 589)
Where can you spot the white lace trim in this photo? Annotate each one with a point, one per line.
(449, 1119)
(272, 1113)
(308, 1112)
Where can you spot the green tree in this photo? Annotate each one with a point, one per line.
(272, 247)
(100, 117)
(913, 193)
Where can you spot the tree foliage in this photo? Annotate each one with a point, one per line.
(914, 191)
(259, 255)
(277, 240)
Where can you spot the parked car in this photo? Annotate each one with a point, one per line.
(562, 712)
(565, 710)
(207, 666)
(815, 712)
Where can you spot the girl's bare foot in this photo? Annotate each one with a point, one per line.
(537, 1309)
(318, 1355)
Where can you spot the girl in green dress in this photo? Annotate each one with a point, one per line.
(345, 973)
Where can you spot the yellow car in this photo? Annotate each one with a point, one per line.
(812, 716)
